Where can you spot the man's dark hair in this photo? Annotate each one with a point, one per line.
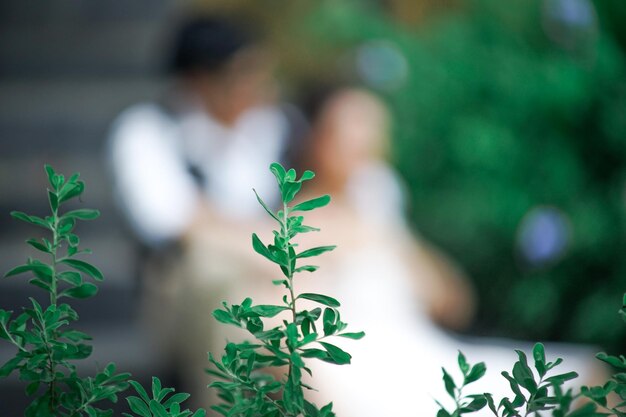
(207, 43)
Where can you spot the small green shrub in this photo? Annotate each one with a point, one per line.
(47, 346)
(536, 392)
(244, 384)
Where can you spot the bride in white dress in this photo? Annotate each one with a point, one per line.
(390, 284)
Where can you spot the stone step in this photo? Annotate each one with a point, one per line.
(81, 47)
(113, 253)
(30, 107)
(23, 184)
(127, 346)
(41, 11)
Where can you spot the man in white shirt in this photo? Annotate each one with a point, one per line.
(183, 171)
(208, 140)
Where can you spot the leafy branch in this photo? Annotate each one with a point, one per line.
(46, 345)
(244, 385)
(536, 392)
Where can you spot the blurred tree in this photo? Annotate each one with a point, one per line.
(511, 132)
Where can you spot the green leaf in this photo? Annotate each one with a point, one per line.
(10, 366)
(278, 171)
(322, 299)
(312, 204)
(84, 267)
(337, 355)
(314, 353)
(156, 387)
(315, 251)
(265, 207)
(83, 291)
(38, 245)
(612, 360)
(37, 221)
(32, 387)
(513, 383)
(52, 176)
(523, 374)
(70, 277)
(140, 390)
(289, 190)
(449, 383)
(225, 317)
(70, 191)
(38, 268)
(561, 378)
(539, 354)
(54, 201)
(75, 335)
(478, 403)
(307, 175)
(267, 310)
(41, 284)
(260, 248)
(463, 365)
(176, 399)
(329, 318)
(138, 406)
(200, 413)
(307, 268)
(18, 270)
(82, 214)
(157, 409)
(443, 413)
(354, 336)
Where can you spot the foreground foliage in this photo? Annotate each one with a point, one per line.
(245, 385)
(535, 391)
(46, 344)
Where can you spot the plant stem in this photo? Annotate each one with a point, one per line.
(53, 302)
(457, 400)
(12, 340)
(292, 301)
(253, 387)
(285, 232)
(532, 398)
(55, 245)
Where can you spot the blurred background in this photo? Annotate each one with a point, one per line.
(509, 134)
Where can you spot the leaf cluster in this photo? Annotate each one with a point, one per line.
(245, 383)
(468, 403)
(534, 390)
(162, 404)
(46, 345)
(616, 384)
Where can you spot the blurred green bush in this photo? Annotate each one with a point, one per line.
(510, 129)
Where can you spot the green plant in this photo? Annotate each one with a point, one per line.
(536, 392)
(615, 385)
(46, 344)
(245, 385)
(162, 404)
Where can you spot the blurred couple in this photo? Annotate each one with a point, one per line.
(184, 169)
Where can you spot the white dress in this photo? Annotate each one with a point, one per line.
(396, 367)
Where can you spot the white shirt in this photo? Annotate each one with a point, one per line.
(151, 153)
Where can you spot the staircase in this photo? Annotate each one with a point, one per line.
(66, 70)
